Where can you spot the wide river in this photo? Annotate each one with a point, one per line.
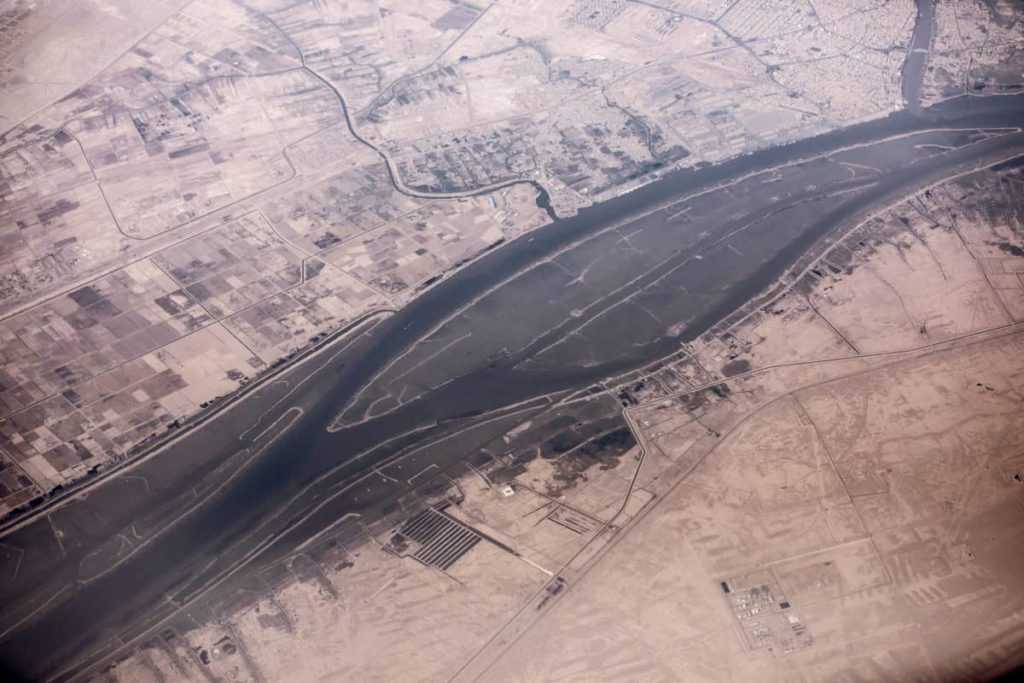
(521, 336)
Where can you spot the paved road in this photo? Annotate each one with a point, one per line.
(615, 287)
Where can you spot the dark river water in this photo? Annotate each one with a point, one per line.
(519, 347)
(917, 59)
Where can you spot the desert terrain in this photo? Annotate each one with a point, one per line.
(828, 488)
(518, 341)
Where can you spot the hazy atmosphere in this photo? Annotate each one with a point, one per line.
(572, 341)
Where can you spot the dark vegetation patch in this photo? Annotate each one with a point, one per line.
(721, 390)
(86, 296)
(698, 401)
(603, 451)
(397, 545)
(514, 465)
(736, 367)
(592, 434)
(577, 434)
(325, 240)
(277, 622)
(1007, 248)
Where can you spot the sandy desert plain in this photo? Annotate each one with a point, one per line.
(828, 485)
